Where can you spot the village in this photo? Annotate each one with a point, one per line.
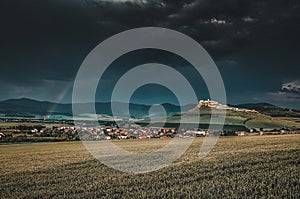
(66, 131)
(137, 132)
(88, 132)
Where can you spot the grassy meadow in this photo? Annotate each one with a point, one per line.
(238, 167)
(234, 120)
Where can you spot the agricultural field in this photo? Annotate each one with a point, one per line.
(234, 120)
(13, 125)
(237, 167)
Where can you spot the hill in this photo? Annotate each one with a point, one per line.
(265, 115)
(272, 110)
(29, 108)
(235, 119)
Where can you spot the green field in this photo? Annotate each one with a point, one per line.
(233, 120)
(238, 167)
(15, 124)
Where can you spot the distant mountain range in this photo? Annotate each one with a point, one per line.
(30, 108)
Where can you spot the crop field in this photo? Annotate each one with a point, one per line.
(237, 167)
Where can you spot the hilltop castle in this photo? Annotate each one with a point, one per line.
(214, 104)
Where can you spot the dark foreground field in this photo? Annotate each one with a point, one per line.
(238, 167)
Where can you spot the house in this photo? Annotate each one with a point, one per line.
(34, 131)
(240, 133)
(243, 133)
(2, 135)
(197, 133)
(143, 137)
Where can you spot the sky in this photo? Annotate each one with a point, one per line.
(255, 45)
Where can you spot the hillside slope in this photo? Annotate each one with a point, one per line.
(271, 110)
(234, 120)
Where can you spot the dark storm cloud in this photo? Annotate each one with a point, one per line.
(248, 39)
(37, 40)
(223, 27)
(44, 41)
(245, 22)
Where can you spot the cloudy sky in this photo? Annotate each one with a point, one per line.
(255, 45)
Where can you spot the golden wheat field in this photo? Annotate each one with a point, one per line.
(237, 167)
